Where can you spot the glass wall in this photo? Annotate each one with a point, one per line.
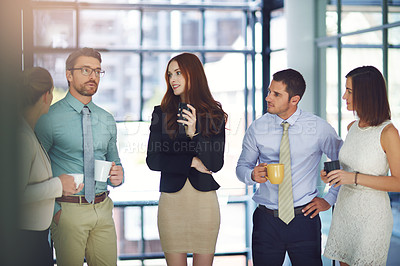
(278, 41)
(136, 40)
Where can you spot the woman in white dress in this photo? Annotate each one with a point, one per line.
(362, 220)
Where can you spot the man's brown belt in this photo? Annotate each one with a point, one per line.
(81, 198)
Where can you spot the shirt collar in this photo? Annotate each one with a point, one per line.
(76, 104)
(291, 120)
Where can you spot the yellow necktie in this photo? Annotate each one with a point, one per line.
(285, 200)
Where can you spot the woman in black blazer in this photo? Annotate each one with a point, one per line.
(187, 149)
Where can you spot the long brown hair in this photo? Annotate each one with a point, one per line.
(370, 100)
(210, 115)
(35, 82)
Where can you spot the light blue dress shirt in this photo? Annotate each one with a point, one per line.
(60, 131)
(309, 136)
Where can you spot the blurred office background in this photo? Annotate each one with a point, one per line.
(241, 43)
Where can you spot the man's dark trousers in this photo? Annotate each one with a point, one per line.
(301, 238)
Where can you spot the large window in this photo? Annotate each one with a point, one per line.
(136, 40)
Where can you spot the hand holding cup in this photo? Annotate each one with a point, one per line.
(187, 118)
(102, 170)
(328, 167)
(116, 174)
(332, 165)
(181, 107)
(275, 172)
(71, 183)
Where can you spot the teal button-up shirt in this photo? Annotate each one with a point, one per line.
(60, 131)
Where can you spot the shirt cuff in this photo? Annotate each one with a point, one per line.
(60, 187)
(330, 198)
(248, 179)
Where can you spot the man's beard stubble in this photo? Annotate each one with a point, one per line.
(85, 92)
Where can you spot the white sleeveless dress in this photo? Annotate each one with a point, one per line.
(362, 219)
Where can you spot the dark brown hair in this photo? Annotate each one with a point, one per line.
(370, 100)
(294, 81)
(210, 115)
(71, 60)
(34, 83)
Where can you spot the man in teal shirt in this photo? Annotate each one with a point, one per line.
(81, 229)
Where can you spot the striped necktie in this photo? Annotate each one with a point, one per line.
(88, 154)
(285, 200)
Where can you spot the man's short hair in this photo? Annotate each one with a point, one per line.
(71, 60)
(294, 81)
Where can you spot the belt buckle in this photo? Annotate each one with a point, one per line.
(80, 200)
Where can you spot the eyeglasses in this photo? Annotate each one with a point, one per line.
(87, 71)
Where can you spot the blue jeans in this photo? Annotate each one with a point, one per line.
(301, 238)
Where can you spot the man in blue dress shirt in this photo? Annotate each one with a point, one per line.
(310, 137)
(81, 229)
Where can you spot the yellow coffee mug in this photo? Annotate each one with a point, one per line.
(275, 172)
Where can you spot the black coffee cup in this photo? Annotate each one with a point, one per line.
(330, 166)
(180, 108)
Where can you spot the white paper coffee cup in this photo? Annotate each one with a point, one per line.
(102, 170)
(78, 178)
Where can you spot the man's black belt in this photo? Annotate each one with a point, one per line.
(275, 213)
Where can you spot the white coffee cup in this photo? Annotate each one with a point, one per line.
(78, 178)
(102, 170)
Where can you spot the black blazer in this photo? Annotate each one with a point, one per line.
(173, 157)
